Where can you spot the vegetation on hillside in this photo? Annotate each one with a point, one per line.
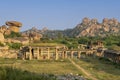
(13, 35)
(110, 41)
(14, 45)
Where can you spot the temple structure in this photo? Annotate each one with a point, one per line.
(52, 52)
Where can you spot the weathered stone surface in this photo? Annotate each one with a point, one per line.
(3, 28)
(21, 40)
(33, 34)
(105, 20)
(70, 77)
(7, 32)
(94, 28)
(13, 23)
(14, 28)
(1, 37)
(94, 21)
(85, 20)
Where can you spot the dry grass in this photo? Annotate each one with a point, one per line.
(50, 67)
(46, 44)
(101, 69)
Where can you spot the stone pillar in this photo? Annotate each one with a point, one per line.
(30, 53)
(71, 54)
(102, 53)
(65, 54)
(23, 56)
(87, 52)
(41, 52)
(48, 53)
(56, 54)
(38, 55)
(79, 54)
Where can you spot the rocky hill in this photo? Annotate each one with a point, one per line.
(88, 27)
(93, 28)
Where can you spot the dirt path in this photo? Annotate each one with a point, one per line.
(83, 70)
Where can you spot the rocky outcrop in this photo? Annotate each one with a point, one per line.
(33, 34)
(85, 21)
(10, 26)
(6, 30)
(14, 25)
(1, 38)
(94, 28)
(21, 40)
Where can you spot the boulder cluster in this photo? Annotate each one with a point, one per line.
(32, 34)
(70, 77)
(8, 28)
(14, 25)
(91, 27)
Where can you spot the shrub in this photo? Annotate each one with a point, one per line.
(12, 35)
(14, 45)
(1, 44)
(8, 73)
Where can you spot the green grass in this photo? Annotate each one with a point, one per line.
(100, 68)
(46, 44)
(13, 69)
(49, 67)
(9, 73)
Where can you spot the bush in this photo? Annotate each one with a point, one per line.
(2, 73)
(14, 45)
(8, 73)
(83, 40)
(1, 44)
(13, 35)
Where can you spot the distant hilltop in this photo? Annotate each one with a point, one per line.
(88, 27)
(91, 27)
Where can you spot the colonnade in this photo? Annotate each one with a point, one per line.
(46, 53)
(54, 53)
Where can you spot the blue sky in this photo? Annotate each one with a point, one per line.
(56, 14)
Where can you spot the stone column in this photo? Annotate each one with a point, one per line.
(23, 56)
(41, 51)
(79, 54)
(87, 52)
(65, 54)
(30, 53)
(56, 54)
(71, 54)
(38, 55)
(48, 53)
